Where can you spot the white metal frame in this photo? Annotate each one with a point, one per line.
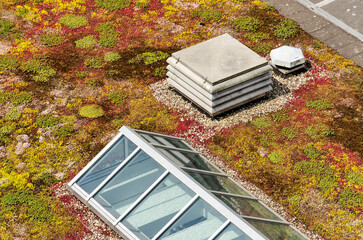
(181, 175)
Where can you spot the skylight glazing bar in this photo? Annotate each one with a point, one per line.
(183, 210)
(157, 134)
(114, 172)
(219, 230)
(204, 171)
(233, 195)
(161, 178)
(174, 148)
(265, 220)
(95, 159)
(93, 203)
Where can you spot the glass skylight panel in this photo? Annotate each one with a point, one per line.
(128, 184)
(232, 233)
(165, 141)
(200, 221)
(106, 164)
(276, 231)
(218, 183)
(168, 198)
(247, 207)
(146, 187)
(186, 159)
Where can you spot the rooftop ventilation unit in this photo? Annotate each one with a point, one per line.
(219, 74)
(150, 186)
(287, 60)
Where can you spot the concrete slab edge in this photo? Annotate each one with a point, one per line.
(331, 18)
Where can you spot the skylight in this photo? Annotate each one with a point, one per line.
(150, 186)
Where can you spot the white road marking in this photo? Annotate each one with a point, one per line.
(323, 3)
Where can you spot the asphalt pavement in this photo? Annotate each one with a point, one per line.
(337, 23)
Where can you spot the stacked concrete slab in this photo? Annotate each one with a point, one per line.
(219, 74)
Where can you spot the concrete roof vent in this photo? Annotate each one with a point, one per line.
(219, 74)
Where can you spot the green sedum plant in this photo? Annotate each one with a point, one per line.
(111, 56)
(8, 62)
(6, 27)
(21, 98)
(108, 34)
(207, 15)
(149, 57)
(13, 114)
(51, 39)
(319, 130)
(247, 23)
(287, 28)
(86, 42)
(91, 111)
(94, 62)
(73, 21)
(257, 37)
(112, 5)
(42, 72)
(47, 121)
(275, 157)
(117, 97)
(319, 104)
(262, 122)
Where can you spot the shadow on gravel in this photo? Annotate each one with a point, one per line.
(279, 89)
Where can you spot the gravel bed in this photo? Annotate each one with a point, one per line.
(273, 101)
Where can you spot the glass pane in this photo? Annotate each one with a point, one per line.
(199, 222)
(276, 231)
(165, 141)
(128, 184)
(106, 164)
(158, 207)
(247, 207)
(184, 159)
(232, 233)
(218, 183)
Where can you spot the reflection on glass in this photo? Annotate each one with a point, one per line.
(200, 221)
(128, 184)
(185, 159)
(232, 233)
(218, 183)
(165, 141)
(158, 208)
(106, 164)
(247, 207)
(276, 231)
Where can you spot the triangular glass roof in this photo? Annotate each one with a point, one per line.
(151, 186)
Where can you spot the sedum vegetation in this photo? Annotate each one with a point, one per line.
(77, 70)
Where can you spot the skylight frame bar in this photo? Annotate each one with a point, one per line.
(234, 195)
(108, 216)
(95, 159)
(196, 187)
(113, 173)
(266, 220)
(79, 190)
(220, 229)
(156, 134)
(197, 170)
(176, 217)
(142, 197)
(174, 148)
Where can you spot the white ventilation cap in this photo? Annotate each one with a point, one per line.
(287, 56)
